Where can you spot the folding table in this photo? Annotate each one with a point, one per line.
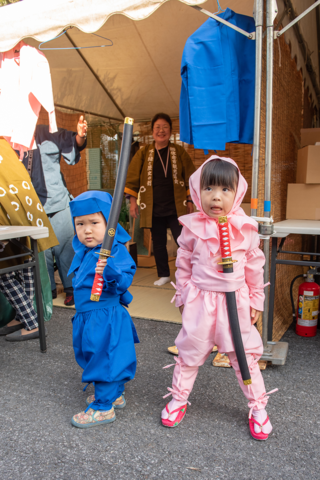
(13, 234)
(282, 230)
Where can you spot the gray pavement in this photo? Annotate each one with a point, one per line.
(41, 392)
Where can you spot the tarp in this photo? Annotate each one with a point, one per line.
(141, 71)
(140, 74)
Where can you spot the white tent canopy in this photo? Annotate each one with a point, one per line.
(140, 74)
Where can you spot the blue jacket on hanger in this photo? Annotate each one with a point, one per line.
(217, 91)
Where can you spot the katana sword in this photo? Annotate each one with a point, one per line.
(117, 199)
(227, 265)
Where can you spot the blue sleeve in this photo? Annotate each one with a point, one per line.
(119, 272)
(68, 147)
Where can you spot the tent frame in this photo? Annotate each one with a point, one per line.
(274, 352)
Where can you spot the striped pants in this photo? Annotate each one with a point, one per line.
(18, 288)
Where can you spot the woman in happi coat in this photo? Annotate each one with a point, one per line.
(160, 172)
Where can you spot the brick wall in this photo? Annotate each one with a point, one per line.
(74, 175)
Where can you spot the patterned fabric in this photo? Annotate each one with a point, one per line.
(94, 417)
(140, 179)
(19, 204)
(18, 288)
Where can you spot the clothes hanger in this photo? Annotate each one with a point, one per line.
(220, 10)
(74, 48)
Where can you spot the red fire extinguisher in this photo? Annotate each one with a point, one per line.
(308, 306)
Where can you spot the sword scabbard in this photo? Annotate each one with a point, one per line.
(117, 199)
(227, 265)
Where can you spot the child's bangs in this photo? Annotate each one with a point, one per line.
(221, 174)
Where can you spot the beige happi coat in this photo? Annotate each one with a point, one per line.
(140, 175)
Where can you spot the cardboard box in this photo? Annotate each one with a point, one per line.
(308, 166)
(303, 202)
(310, 136)
(247, 208)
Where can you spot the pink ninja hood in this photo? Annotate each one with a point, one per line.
(194, 185)
(206, 227)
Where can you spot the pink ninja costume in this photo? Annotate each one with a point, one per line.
(200, 284)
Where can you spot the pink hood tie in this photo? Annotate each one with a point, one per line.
(206, 227)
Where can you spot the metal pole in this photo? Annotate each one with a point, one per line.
(271, 14)
(297, 19)
(258, 16)
(37, 287)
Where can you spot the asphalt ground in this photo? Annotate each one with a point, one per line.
(41, 392)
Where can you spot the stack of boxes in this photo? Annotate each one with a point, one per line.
(303, 199)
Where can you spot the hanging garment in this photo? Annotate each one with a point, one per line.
(218, 78)
(25, 85)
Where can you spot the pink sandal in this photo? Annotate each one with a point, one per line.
(260, 435)
(174, 423)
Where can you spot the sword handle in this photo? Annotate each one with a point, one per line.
(97, 286)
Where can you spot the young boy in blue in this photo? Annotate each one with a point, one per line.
(103, 332)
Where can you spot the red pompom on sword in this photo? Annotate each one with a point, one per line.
(106, 247)
(227, 265)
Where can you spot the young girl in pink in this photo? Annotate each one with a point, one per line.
(217, 189)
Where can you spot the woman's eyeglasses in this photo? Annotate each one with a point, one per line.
(165, 128)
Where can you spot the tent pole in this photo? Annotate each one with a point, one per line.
(271, 14)
(297, 19)
(276, 352)
(95, 75)
(84, 112)
(258, 17)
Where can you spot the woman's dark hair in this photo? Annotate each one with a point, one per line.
(162, 116)
(220, 173)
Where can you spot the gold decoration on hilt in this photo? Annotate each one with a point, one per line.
(129, 120)
(105, 253)
(94, 298)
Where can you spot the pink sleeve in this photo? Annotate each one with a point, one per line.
(183, 262)
(254, 273)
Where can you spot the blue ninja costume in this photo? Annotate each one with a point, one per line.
(103, 332)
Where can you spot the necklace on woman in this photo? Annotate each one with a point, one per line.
(164, 169)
